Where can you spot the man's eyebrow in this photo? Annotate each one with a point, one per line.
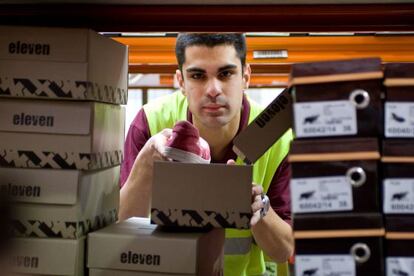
(227, 67)
(195, 70)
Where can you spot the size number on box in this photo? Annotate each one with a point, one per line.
(321, 194)
(329, 118)
(399, 119)
(400, 266)
(398, 196)
(313, 265)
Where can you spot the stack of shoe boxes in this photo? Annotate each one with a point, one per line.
(398, 168)
(191, 204)
(335, 180)
(62, 129)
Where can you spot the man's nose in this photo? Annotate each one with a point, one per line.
(214, 88)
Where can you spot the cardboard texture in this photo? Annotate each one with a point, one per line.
(48, 256)
(96, 205)
(337, 98)
(368, 258)
(61, 135)
(265, 129)
(111, 272)
(135, 245)
(64, 64)
(201, 195)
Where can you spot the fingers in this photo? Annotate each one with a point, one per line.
(231, 162)
(256, 190)
(257, 204)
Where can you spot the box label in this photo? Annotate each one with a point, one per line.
(318, 265)
(45, 117)
(398, 196)
(329, 118)
(403, 266)
(399, 119)
(321, 194)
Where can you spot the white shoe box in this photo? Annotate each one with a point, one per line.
(62, 63)
(70, 203)
(60, 134)
(112, 272)
(33, 256)
(135, 245)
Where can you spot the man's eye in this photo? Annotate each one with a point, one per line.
(196, 76)
(225, 74)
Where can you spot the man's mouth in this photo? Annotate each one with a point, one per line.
(213, 107)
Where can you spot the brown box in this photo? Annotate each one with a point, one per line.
(135, 245)
(111, 272)
(34, 256)
(358, 256)
(337, 98)
(274, 121)
(399, 252)
(201, 195)
(399, 104)
(95, 206)
(335, 176)
(60, 135)
(62, 63)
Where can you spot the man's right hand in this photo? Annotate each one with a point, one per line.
(135, 195)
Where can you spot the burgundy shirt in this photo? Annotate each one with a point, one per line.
(278, 192)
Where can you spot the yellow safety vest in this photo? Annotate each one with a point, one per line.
(242, 256)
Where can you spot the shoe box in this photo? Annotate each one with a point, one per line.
(343, 181)
(273, 122)
(60, 134)
(34, 256)
(399, 104)
(61, 203)
(340, 255)
(337, 98)
(399, 250)
(201, 195)
(137, 246)
(111, 272)
(62, 63)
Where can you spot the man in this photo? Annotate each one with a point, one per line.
(212, 76)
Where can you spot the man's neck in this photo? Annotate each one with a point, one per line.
(219, 138)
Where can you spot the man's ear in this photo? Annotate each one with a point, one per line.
(246, 76)
(180, 79)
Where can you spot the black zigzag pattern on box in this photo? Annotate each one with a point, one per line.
(61, 229)
(61, 89)
(59, 160)
(192, 218)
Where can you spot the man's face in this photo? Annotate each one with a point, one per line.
(213, 81)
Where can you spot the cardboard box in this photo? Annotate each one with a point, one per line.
(111, 272)
(48, 256)
(337, 98)
(62, 63)
(335, 186)
(265, 129)
(399, 255)
(201, 195)
(398, 117)
(136, 245)
(358, 256)
(96, 206)
(63, 135)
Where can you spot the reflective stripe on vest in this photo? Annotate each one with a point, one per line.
(164, 113)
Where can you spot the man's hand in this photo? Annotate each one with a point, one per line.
(271, 233)
(135, 195)
(257, 203)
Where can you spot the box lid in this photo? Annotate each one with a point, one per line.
(399, 74)
(335, 71)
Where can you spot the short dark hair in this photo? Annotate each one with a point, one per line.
(185, 40)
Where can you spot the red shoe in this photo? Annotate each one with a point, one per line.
(186, 145)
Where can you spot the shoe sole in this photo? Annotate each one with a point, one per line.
(183, 156)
